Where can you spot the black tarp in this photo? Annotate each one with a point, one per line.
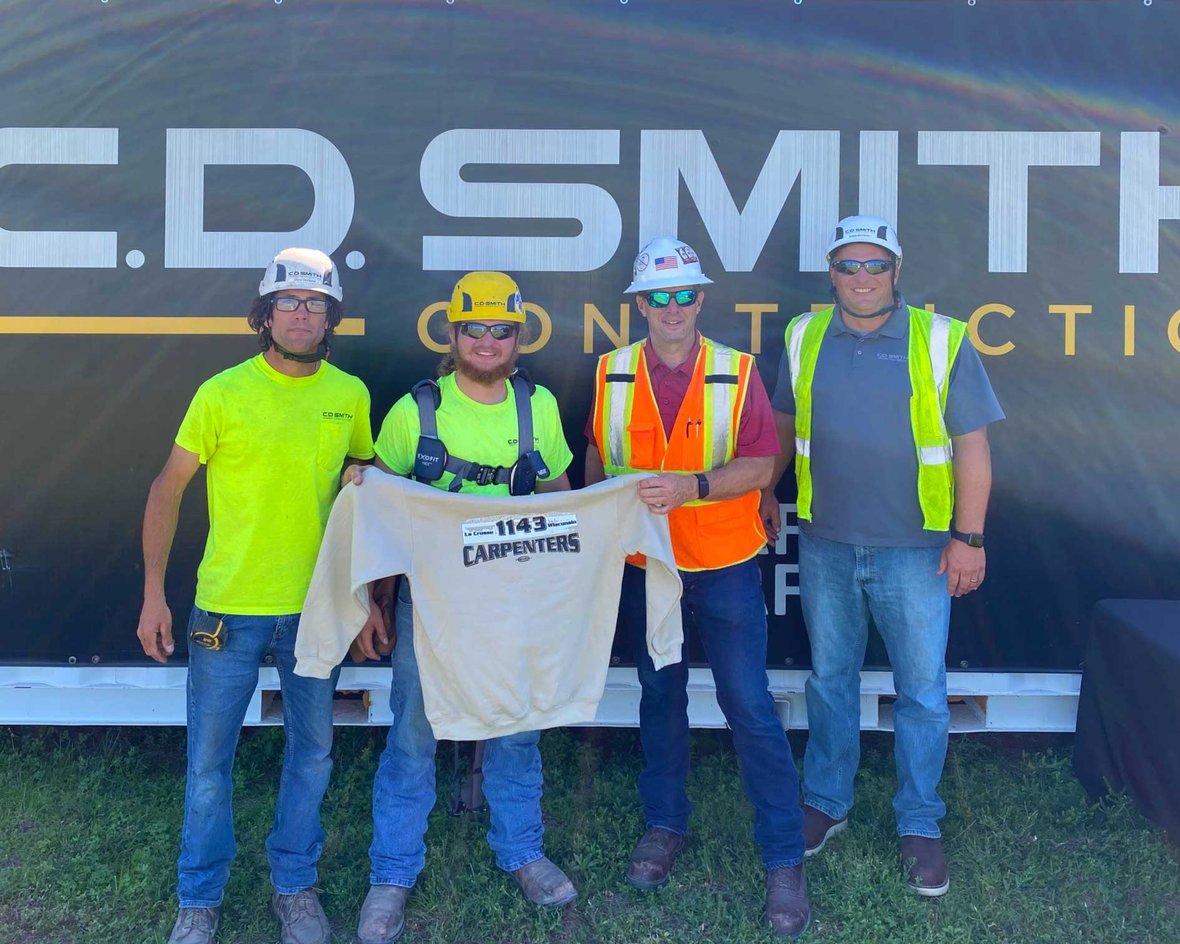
(1126, 735)
(868, 94)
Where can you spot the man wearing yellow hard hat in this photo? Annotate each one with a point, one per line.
(466, 432)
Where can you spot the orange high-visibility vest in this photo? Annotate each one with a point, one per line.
(706, 535)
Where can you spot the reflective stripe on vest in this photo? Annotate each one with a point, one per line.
(721, 389)
(934, 342)
(620, 390)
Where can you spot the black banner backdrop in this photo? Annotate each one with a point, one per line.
(154, 156)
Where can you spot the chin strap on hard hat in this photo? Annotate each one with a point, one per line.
(311, 357)
(892, 306)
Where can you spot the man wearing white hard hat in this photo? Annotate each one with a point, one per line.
(696, 413)
(274, 433)
(885, 408)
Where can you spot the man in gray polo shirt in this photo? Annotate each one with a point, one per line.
(885, 408)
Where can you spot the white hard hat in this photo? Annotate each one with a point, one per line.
(865, 229)
(664, 263)
(301, 268)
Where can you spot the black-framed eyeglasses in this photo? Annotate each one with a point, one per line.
(314, 306)
(872, 266)
(475, 330)
(661, 299)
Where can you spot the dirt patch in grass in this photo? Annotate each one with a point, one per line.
(612, 904)
(26, 924)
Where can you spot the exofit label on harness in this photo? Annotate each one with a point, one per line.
(486, 539)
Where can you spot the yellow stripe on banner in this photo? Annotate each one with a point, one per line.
(70, 324)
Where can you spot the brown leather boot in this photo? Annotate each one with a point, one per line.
(787, 907)
(818, 828)
(653, 858)
(924, 865)
(544, 884)
(383, 915)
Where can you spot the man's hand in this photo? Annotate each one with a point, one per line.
(354, 474)
(155, 630)
(771, 514)
(378, 636)
(964, 567)
(662, 493)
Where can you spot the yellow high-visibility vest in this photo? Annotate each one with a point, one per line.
(933, 346)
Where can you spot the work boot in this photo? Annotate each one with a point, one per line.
(195, 926)
(787, 907)
(924, 865)
(383, 915)
(818, 828)
(302, 917)
(544, 884)
(653, 858)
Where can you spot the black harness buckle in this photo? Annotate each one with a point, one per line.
(486, 474)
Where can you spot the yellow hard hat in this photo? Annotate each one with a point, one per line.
(486, 296)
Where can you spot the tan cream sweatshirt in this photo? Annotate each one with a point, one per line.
(515, 598)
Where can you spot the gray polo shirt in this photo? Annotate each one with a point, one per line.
(864, 468)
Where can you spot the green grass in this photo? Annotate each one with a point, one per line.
(89, 823)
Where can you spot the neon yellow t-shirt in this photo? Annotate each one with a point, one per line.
(274, 447)
(480, 432)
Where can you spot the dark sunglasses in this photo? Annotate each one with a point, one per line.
(314, 306)
(475, 331)
(685, 297)
(872, 267)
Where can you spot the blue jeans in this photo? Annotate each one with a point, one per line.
(404, 790)
(839, 586)
(730, 614)
(220, 686)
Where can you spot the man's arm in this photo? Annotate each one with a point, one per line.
(595, 471)
(559, 484)
(768, 510)
(740, 475)
(963, 565)
(159, 529)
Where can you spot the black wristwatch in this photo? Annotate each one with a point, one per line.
(970, 538)
(702, 485)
